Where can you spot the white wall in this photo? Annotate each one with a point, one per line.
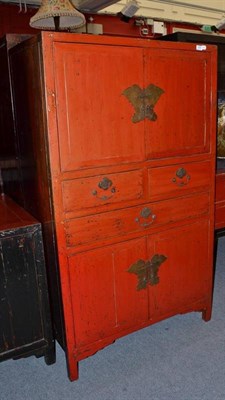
(203, 12)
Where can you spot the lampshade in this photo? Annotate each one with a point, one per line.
(57, 15)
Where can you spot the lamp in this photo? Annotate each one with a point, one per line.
(128, 10)
(57, 15)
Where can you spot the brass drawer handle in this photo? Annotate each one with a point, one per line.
(105, 184)
(182, 178)
(146, 213)
(147, 271)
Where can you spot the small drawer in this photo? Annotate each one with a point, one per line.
(111, 224)
(178, 179)
(100, 190)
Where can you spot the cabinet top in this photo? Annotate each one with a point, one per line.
(194, 37)
(13, 216)
(12, 39)
(48, 38)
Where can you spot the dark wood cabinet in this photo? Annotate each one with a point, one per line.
(117, 155)
(25, 320)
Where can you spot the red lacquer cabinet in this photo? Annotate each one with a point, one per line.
(117, 140)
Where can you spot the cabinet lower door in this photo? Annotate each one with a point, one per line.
(137, 282)
(103, 292)
(185, 279)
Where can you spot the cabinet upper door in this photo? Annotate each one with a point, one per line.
(183, 112)
(118, 104)
(93, 114)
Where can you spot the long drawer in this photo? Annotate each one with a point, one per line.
(106, 225)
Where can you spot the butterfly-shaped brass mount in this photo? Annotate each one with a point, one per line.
(147, 271)
(143, 101)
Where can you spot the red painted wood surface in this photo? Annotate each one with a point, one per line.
(183, 130)
(96, 140)
(13, 216)
(164, 182)
(85, 193)
(112, 303)
(220, 200)
(90, 136)
(99, 227)
(183, 277)
(92, 112)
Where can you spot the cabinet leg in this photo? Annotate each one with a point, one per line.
(207, 313)
(73, 371)
(50, 355)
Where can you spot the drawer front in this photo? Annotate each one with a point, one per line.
(178, 179)
(100, 190)
(107, 225)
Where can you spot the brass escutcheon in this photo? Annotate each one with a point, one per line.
(181, 172)
(183, 176)
(145, 213)
(147, 271)
(105, 183)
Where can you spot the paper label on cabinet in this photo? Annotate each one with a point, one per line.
(201, 47)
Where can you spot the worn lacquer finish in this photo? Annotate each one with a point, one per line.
(123, 191)
(184, 278)
(112, 303)
(95, 137)
(181, 117)
(25, 327)
(85, 193)
(90, 229)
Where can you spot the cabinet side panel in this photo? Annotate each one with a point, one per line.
(30, 122)
(20, 291)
